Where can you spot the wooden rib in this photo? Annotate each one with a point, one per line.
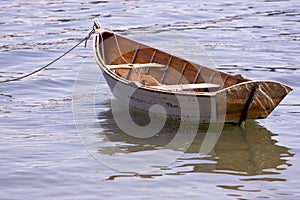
(153, 55)
(212, 76)
(224, 81)
(128, 74)
(135, 53)
(150, 80)
(196, 77)
(132, 60)
(164, 74)
(151, 60)
(180, 75)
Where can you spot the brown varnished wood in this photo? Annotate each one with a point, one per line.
(146, 54)
(230, 97)
(266, 98)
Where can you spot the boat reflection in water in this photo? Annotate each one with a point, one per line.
(245, 152)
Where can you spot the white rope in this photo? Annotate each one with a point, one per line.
(50, 63)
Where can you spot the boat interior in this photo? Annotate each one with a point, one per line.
(156, 69)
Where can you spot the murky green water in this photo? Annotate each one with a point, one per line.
(58, 142)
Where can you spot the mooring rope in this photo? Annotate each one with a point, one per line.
(44, 67)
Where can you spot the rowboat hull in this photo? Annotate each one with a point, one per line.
(225, 105)
(175, 106)
(190, 96)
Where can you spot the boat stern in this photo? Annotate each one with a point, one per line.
(252, 99)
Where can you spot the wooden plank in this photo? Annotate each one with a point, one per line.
(173, 71)
(184, 87)
(144, 55)
(131, 66)
(189, 74)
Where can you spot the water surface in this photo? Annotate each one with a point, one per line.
(43, 151)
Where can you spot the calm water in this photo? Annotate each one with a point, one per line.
(52, 128)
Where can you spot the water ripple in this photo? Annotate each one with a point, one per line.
(41, 153)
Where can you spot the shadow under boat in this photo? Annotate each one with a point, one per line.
(246, 152)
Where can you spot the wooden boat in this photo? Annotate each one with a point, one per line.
(142, 76)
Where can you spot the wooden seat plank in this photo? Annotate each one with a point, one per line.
(131, 66)
(184, 87)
